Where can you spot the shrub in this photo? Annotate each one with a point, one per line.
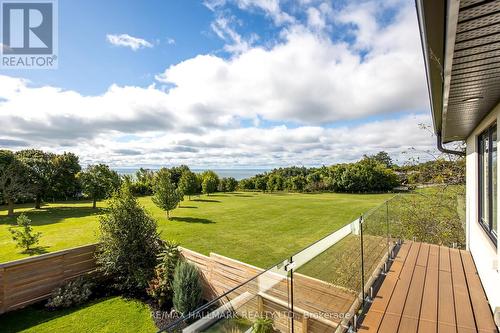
(25, 237)
(128, 244)
(73, 293)
(161, 286)
(187, 287)
(263, 325)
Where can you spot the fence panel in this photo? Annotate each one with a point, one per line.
(26, 281)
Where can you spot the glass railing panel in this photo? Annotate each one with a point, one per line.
(377, 245)
(432, 216)
(325, 284)
(266, 295)
(326, 279)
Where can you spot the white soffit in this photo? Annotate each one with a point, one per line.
(471, 86)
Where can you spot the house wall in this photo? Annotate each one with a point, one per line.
(484, 252)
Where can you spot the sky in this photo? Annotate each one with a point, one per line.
(225, 84)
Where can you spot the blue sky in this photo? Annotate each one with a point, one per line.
(89, 64)
(224, 83)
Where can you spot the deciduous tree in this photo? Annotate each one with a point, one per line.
(210, 182)
(166, 195)
(40, 172)
(188, 184)
(99, 182)
(65, 183)
(231, 184)
(13, 180)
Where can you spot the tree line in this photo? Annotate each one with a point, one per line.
(37, 176)
(371, 174)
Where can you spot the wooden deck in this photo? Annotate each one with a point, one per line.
(430, 289)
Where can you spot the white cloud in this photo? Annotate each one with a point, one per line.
(217, 111)
(315, 19)
(126, 40)
(170, 41)
(271, 8)
(235, 42)
(276, 146)
(308, 79)
(98, 128)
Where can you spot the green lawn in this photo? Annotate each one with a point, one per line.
(256, 228)
(341, 263)
(113, 314)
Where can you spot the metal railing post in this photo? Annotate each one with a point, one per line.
(291, 294)
(387, 229)
(362, 261)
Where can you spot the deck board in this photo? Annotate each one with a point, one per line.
(430, 289)
(463, 307)
(398, 299)
(482, 313)
(381, 300)
(428, 313)
(411, 312)
(446, 304)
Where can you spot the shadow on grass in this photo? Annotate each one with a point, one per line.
(205, 200)
(36, 250)
(191, 220)
(243, 195)
(191, 207)
(50, 215)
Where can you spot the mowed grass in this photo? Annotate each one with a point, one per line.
(341, 263)
(63, 225)
(256, 228)
(108, 315)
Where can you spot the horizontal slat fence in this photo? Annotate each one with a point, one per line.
(26, 281)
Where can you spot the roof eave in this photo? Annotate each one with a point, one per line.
(431, 18)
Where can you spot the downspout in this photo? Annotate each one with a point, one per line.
(447, 151)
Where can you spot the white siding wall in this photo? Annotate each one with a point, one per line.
(486, 256)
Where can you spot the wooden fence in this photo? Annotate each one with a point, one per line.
(26, 281)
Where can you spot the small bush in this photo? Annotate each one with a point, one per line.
(73, 293)
(161, 286)
(263, 325)
(25, 237)
(187, 287)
